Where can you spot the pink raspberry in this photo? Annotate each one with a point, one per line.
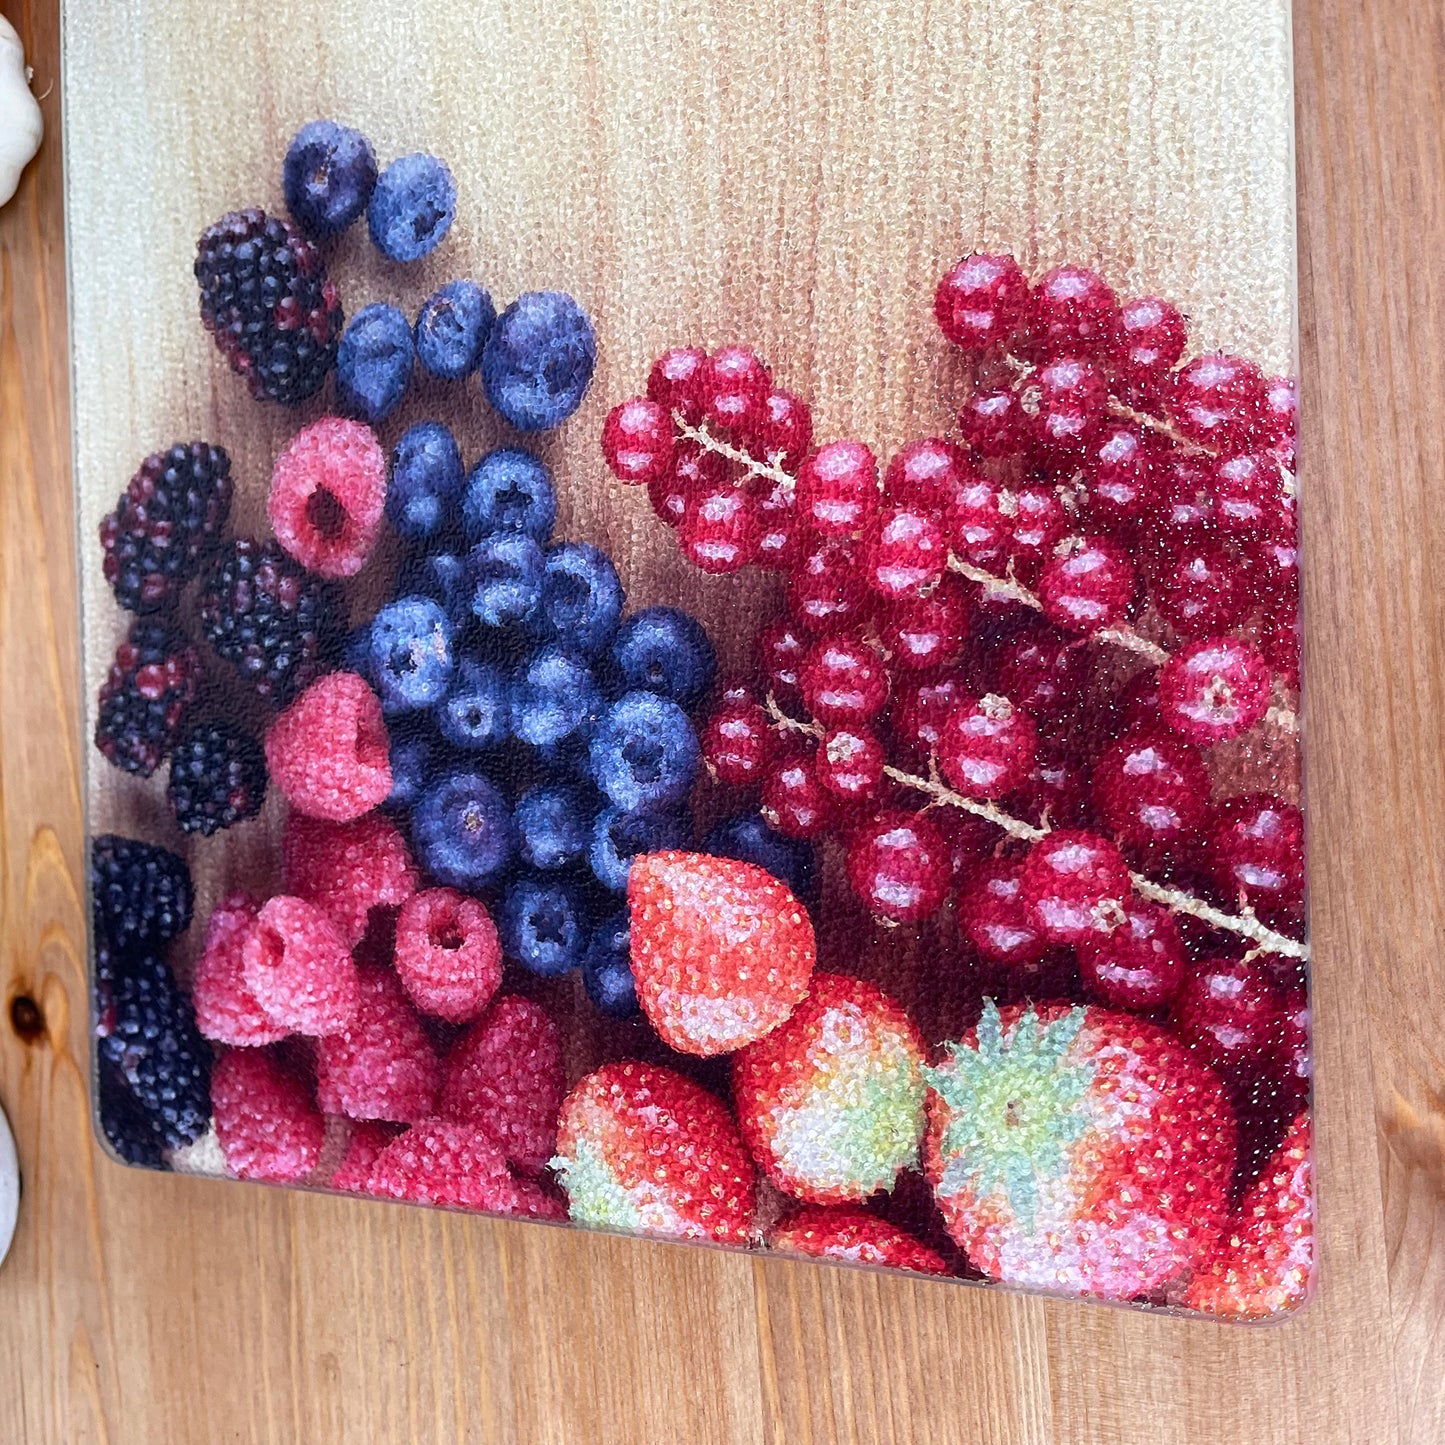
(381, 1065)
(448, 954)
(328, 489)
(298, 968)
(226, 1010)
(366, 1142)
(505, 1075)
(348, 869)
(266, 1123)
(452, 1164)
(329, 752)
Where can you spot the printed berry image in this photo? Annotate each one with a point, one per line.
(166, 521)
(452, 327)
(853, 1235)
(412, 207)
(538, 360)
(374, 362)
(217, 779)
(141, 895)
(268, 304)
(328, 176)
(146, 695)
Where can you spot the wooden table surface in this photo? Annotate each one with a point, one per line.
(149, 1309)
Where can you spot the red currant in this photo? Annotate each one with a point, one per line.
(926, 474)
(1152, 789)
(1182, 498)
(1281, 418)
(1219, 402)
(980, 301)
(899, 865)
(1213, 690)
(903, 552)
(734, 389)
(690, 471)
(970, 840)
(1118, 472)
(1148, 339)
(926, 633)
(1071, 399)
(826, 589)
(977, 526)
(1087, 584)
(1246, 493)
(1041, 671)
(638, 440)
(1036, 520)
(1229, 1013)
(993, 423)
(668, 496)
(838, 488)
(738, 742)
(720, 529)
(786, 430)
(994, 918)
(782, 649)
(1138, 702)
(849, 764)
(1072, 311)
(1280, 644)
(1199, 589)
(1274, 573)
(676, 382)
(987, 747)
(921, 711)
(780, 542)
(1074, 883)
(1140, 965)
(793, 800)
(1056, 793)
(1295, 1045)
(843, 681)
(1256, 848)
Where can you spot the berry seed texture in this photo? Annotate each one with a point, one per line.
(905, 868)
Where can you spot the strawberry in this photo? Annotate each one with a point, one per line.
(641, 1148)
(721, 951)
(831, 1102)
(1264, 1262)
(1078, 1150)
(853, 1234)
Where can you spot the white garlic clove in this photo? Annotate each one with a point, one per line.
(21, 126)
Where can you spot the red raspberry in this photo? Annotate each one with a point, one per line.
(348, 869)
(447, 954)
(328, 491)
(638, 440)
(505, 1075)
(329, 752)
(267, 1126)
(449, 1164)
(226, 1010)
(362, 1148)
(298, 968)
(381, 1065)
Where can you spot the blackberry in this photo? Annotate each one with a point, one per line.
(143, 700)
(124, 1124)
(140, 895)
(172, 512)
(277, 624)
(266, 299)
(147, 1033)
(218, 777)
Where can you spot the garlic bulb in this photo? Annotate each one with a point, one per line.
(20, 124)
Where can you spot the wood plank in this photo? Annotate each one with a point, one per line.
(137, 1308)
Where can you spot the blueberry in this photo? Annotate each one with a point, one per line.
(475, 711)
(607, 968)
(442, 576)
(452, 328)
(412, 207)
(543, 925)
(666, 651)
(426, 477)
(644, 754)
(618, 837)
(748, 838)
(552, 826)
(462, 828)
(374, 362)
(509, 490)
(411, 654)
(581, 598)
(413, 758)
(356, 653)
(328, 177)
(554, 697)
(504, 573)
(538, 361)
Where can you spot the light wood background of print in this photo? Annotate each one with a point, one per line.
(794, 174)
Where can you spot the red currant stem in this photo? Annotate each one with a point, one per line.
(1155, 424)
(1244, 923)
(1012, 588)
(709, 443)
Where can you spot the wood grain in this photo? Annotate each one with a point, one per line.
(137, 1308)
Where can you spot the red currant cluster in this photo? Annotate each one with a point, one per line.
(961, 645)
